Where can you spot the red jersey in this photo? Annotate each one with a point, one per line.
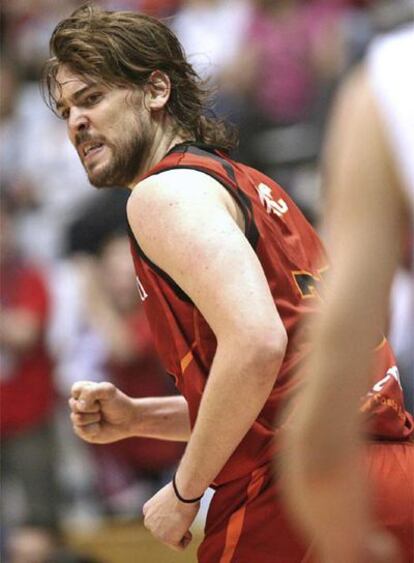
(294, 262)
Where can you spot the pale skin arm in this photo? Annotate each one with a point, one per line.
(208, 256)
(101, 414)
(366, 222)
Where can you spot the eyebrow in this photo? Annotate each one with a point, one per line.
(76, 96)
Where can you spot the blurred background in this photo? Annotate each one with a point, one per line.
(69, 306)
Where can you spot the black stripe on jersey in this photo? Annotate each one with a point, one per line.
(176, 288)
(252, 234)
(204, 150)
(186, 145)
(198, 151)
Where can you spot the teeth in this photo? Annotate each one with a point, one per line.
(88, 148)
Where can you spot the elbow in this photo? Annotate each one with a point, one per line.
(267, 350)
(273, 348)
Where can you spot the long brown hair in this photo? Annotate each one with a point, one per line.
(125, 48)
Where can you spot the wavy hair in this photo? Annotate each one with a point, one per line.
(125, 48)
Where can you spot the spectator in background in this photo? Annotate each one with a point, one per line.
(292, 50)
(156, 8)
(131, 469)
(27, 397)
(212, 32)
(284, 57)
(289, 57)
(34, 157)
(99, 329)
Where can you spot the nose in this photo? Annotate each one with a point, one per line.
(77, 121)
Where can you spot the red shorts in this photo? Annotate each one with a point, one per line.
(247, 521)
(391, 472)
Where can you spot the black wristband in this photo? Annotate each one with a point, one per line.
(186, 500)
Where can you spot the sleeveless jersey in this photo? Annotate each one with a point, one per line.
(294, 262)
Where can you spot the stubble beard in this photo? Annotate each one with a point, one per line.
(125, 162)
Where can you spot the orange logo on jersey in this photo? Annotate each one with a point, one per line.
(309, 284)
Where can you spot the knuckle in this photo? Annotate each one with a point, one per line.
(108, 387)
(78, 386)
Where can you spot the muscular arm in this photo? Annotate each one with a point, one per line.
(208, 256)
(365, 223)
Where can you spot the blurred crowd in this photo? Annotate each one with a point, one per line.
(69, 303)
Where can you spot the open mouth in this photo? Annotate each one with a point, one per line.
(91, 149)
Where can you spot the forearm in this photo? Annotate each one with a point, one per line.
(365, 219)
(340, 368)
(237, 389)
(164, 418)
(326, 425)
(323, 483)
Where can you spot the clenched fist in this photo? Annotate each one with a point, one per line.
(101, 413)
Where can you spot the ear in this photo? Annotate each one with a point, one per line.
(158, 90)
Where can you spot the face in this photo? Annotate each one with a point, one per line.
(109, 127)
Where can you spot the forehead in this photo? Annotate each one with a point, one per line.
(67, 83)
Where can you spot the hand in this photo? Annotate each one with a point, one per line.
(101, 413)
(169, 519)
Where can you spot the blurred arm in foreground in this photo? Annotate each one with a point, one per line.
(368, 217)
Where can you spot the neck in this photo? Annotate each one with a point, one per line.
(163, 140)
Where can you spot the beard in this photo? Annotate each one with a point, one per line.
(125, 161)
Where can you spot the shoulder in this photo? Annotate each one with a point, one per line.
(178, 214)
(175, 183)
(172, 193)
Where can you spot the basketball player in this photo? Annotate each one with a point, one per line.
(371, 209)
(226, 267)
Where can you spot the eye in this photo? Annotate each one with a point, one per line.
(93, 99)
